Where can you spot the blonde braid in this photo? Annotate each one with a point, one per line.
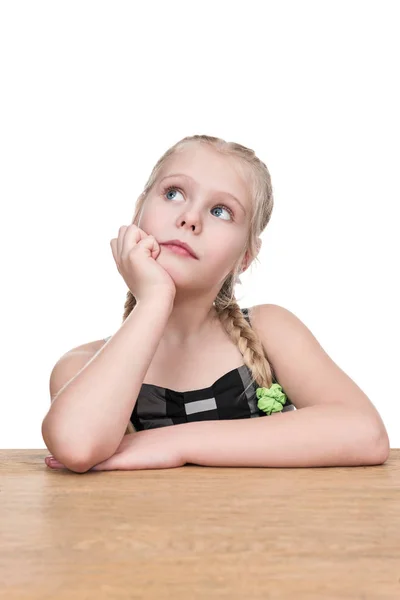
(243, 335)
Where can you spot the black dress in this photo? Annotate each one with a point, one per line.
(230, 397)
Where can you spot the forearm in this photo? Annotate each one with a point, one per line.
(88, 418)
(316, 436)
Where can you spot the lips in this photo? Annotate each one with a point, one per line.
(180, 244)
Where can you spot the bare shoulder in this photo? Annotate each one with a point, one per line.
(303, 368)
(285, 336)
(268, 315)
(71, 363)
(260, 314)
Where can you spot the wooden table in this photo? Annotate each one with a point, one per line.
(198, 532)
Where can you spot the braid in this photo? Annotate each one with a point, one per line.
(243, 336)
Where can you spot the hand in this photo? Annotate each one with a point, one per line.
(136, 253)
(157, 448)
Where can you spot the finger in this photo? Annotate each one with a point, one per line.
(113, 244)
(54, 464)
(132, 237)
(120, 240)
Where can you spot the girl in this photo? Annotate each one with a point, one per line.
(188, 373)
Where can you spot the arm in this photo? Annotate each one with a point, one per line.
(88, 417)
(315, 436)
(335, 422)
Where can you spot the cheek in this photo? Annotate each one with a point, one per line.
(220, 254)
(154, 221)
(225, 246)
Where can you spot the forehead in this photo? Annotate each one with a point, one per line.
(210, 169)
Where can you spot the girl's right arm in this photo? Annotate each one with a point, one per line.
(88, 417)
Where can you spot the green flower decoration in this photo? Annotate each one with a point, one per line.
(271, 399)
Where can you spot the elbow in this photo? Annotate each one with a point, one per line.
(378, 452)
(79, 467)
(74, 460)
(76, 465)
(383, 448)
(383, 442)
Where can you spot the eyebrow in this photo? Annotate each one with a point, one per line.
(221, 193)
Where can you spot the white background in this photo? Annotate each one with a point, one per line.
(92, 93)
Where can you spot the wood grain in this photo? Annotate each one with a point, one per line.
(325, 533)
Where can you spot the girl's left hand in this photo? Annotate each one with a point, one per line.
(157, 448)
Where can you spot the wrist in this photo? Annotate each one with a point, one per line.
(163, 300)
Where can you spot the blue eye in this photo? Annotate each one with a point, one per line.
(171, 188)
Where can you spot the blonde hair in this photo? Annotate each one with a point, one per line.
(228, 311)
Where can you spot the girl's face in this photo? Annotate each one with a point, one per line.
(191, 201)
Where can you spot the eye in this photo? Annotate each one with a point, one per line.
(171, 188)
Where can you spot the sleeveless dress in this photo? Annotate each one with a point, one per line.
(229, 397)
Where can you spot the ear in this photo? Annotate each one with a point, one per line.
(247, 260)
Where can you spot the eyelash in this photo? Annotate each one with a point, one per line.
(174, 187)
